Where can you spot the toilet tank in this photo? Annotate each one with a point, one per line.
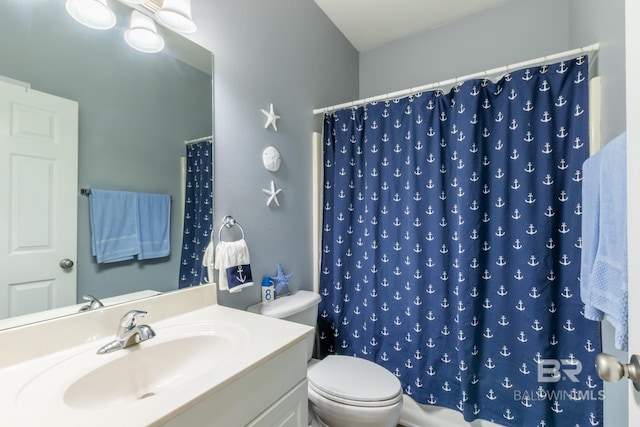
(299, 307)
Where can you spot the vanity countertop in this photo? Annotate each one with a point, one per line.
(33, 391)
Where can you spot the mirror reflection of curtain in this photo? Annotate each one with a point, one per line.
(198, 213)
(451, 246)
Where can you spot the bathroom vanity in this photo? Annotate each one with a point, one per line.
(207, 365)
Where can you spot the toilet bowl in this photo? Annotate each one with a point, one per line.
(344, 391)
(347, 391)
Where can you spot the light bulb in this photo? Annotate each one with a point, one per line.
(92, 13)
(142, 34)
(176, 15)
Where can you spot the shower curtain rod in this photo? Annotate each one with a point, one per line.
(204, 138)
(488, 73)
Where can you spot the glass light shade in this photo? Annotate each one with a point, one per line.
(142, 34)
(92, 13)
(176, 14)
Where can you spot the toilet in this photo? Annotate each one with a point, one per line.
(344, 391)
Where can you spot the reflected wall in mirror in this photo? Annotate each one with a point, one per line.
(136, 110)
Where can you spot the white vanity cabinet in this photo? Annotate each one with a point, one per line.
(272, 394)
(289, 411)
(207, 365)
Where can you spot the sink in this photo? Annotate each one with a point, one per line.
(147, 371)
(177, 357)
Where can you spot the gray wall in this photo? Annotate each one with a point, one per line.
(500, 36)
(135, 112)
(518, 31)
(288, 53)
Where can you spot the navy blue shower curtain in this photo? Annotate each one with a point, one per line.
(198, 213)
(451, 246)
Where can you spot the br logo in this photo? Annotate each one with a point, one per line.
(552, 370)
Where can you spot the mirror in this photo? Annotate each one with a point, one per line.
(136, 110)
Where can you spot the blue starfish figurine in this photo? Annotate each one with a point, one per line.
(281, 282)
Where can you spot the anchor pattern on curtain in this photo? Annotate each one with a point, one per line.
(451, 246)
(198, 213)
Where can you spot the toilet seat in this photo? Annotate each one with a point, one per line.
(356, 382)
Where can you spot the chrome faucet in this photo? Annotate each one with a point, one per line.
(129, 332)
(92, 304)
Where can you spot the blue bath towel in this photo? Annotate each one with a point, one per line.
(604, 264)
(153, 220)
(114, 225)
(590, 230)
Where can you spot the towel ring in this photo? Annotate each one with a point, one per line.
(228, 222)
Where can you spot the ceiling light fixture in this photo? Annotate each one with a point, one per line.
(92, 13)
(176, 15)
(142, 34)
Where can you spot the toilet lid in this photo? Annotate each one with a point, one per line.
(350, 379)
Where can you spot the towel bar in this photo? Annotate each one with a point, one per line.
(87, 192)
(228, 222)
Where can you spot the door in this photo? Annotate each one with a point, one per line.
(632, 54)
(38, 200)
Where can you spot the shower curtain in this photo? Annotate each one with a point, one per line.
(451, 246)
(198, 213)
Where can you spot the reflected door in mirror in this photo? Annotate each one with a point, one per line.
(38, 177)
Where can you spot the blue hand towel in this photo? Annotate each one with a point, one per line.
(114, 225)
(604, 286)
(154, 213)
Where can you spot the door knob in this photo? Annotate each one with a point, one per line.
(66, 264)
(611, 369)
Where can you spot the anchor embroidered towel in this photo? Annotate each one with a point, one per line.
(233, 264)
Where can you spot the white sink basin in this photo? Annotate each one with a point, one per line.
(176, 357)
(147, 371)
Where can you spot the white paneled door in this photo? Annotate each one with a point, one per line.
(38, 200)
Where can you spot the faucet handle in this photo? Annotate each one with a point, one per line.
(129, 320)
(93, 303)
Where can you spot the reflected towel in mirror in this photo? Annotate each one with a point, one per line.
(125, 224)
(114, 225)
(154, 225)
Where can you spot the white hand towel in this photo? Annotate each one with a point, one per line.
(233, 265)
(208, 261)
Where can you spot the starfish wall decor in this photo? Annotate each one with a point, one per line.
(273, 194)
(271, 118)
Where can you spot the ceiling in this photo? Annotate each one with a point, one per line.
(368, 24)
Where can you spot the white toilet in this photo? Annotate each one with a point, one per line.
(344, 391)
